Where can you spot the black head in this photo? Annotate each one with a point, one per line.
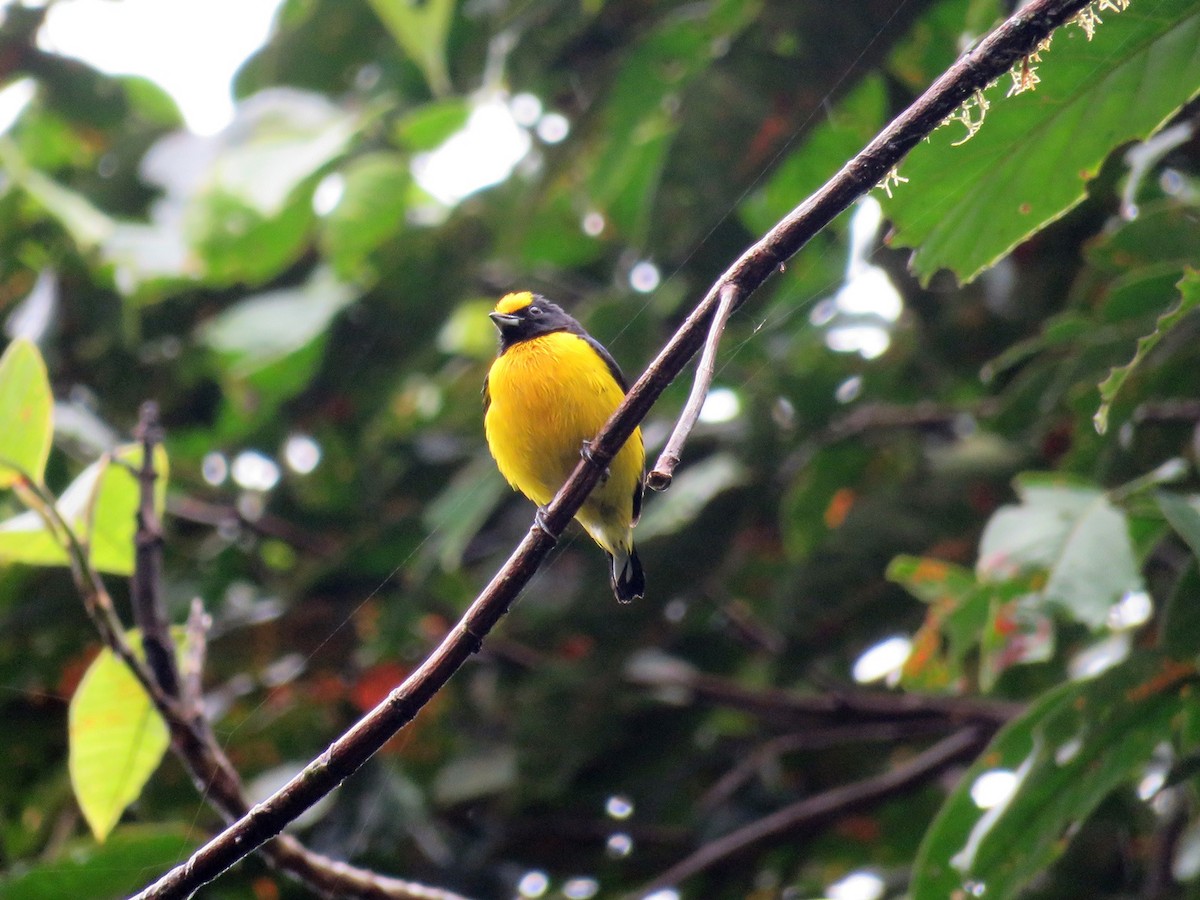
(525, 315)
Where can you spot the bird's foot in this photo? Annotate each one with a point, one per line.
(586, 452)
(540, 523)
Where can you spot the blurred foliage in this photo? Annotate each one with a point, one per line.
(886, 454)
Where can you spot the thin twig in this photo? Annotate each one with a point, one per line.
(813, 812)
(192, 736)
(750, 763)
(989, 60)
(195, 651)
(149, 610)
(97, 602)
(843, 705)
(663, 472)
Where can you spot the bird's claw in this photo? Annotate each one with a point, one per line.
(586, 452)
(540, 523)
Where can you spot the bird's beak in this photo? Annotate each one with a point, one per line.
(503, 321)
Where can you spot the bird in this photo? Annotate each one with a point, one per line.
(550, 389)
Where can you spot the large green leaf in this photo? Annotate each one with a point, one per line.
(27, 411)
(1183, 514)
(966, 206)
(1066, 529)
(117, 740)
(1063, 756)
(87, 225)
(1189, 300)
(100, 506)
(115, 869)
(421, 30)
(641, 126)
(265, 328)
(370, 211)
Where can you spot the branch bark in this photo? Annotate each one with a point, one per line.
(1013, 40)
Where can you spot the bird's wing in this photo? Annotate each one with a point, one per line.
(608, 360)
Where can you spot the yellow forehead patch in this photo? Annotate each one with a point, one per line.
(510, 303)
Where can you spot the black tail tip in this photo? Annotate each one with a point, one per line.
(628, 579)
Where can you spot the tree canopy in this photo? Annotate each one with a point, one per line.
(921, 616)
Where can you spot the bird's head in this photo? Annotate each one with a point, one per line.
(524, 315)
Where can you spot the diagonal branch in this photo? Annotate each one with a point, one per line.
(1013, 40)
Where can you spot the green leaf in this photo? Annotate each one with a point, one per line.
(100, 505)
(282, 138)
(1189, 299)
(1183, 514)
(1066, 754)
(460, 510)
(236, 206)
(234, 242)
(623, 177)
(1072, 532)
(1138, 263)
(117, 740)
(369, 212)
(27, 411)
(967, 206)
(265, 328)
(421, 28)
(428, 127)
(1063, 330)
(87, 225)
(966, 613)
(113, 870)
(1179, 630)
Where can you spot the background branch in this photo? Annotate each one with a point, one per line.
(824, 807)
(192, 737)
(991, 59)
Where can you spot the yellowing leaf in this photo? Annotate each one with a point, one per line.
(27, 410)
(117, 740)
(100, 506)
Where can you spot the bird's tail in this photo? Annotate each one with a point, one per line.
(628, 579)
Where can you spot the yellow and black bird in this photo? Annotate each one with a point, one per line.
(550, 389)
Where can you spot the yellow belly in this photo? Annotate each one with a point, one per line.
(547, 396)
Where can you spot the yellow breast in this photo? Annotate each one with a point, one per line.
(547, 396)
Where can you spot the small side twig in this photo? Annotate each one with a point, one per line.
(195, 650)
(813, 812)
(149, 610)
(663, 472)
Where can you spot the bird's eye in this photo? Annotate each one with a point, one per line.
(535, 310)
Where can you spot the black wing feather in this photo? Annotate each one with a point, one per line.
(607, 357)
